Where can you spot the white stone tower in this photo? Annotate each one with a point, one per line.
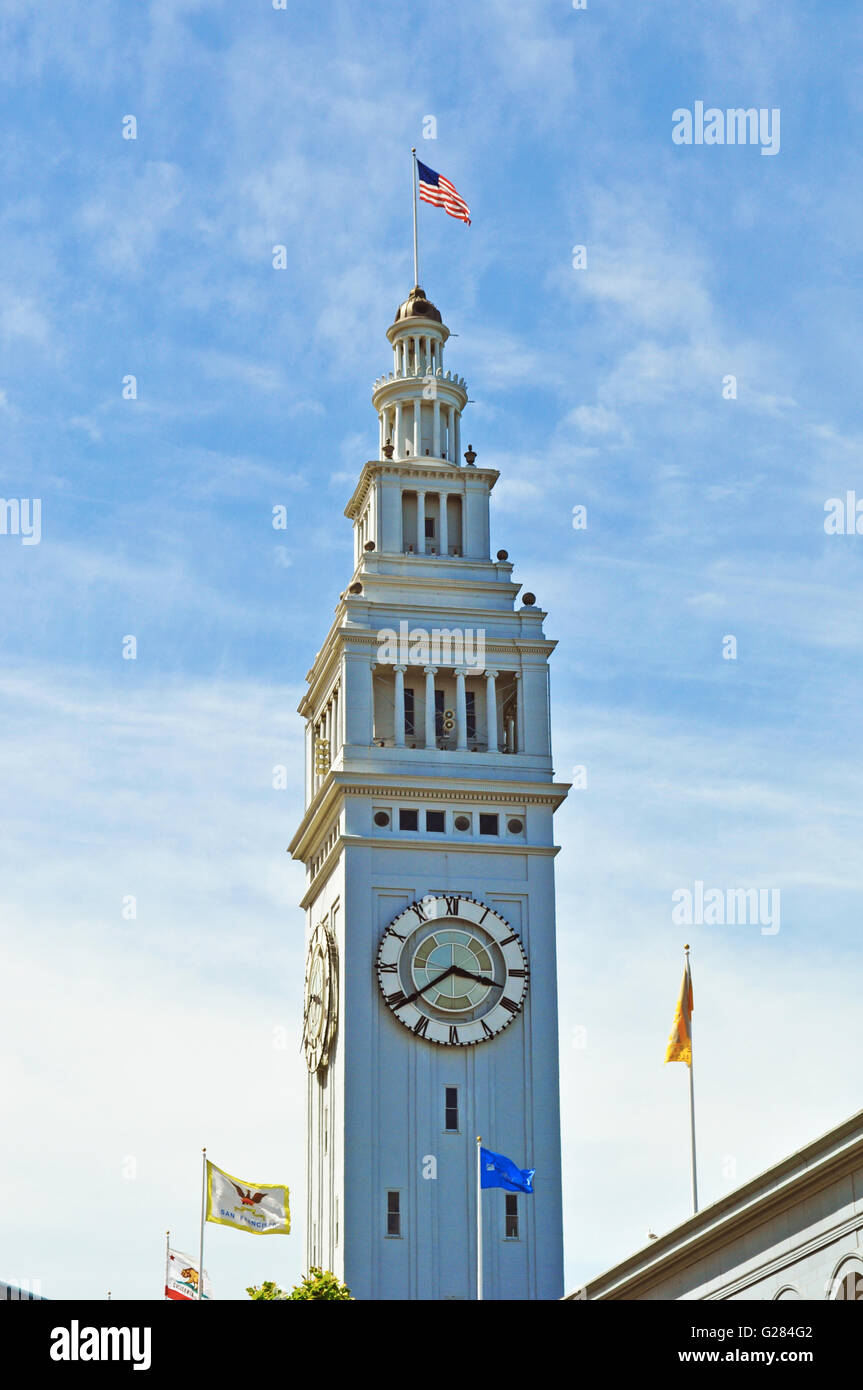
(431, 986)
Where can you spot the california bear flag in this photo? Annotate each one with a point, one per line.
(181, 1277)
(259, 1207)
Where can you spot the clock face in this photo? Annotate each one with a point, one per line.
(452, 970)
(320, 1002)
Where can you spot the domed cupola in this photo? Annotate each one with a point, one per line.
(416, 306)
(418, 403)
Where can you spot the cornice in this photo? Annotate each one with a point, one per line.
(321, 810)
(390, 469)
(447, 846)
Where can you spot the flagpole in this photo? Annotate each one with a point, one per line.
(203, 1218)
(692, 1094)
(414, 188)
(479, 1216)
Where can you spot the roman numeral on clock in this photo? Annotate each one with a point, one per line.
(420, 1026)
(518, 974)
(395, 1000)
(453, 1034)
(391, 969)
(507, 939)
(391, 931)
(452, 905)
(508, 1004)
(420, 912)
(485, 1028)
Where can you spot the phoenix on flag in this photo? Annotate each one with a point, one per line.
(259, 1207)
(438, 191)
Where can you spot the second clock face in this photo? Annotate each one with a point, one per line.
(452, 970)
(321, 1004)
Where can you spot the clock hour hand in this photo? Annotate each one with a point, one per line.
(481, 979)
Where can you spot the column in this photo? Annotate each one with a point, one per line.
(383, 437)
(397, 433)
(450, 451)
(421, 522)
(520, 714)
(491, 710)
(436, 428)
(444, 534)
(457, 441)
(460, 710)
(417, 426)
(310, 762)
(430, 673)
(416, 343)
(399, 706)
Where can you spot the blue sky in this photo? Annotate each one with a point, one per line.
(138, 1041)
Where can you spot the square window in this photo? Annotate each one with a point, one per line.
(435, 820)
(511, 1217)
(394, 1214)
(487, 824)
(408, 820)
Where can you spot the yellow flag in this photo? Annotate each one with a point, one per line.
(259, 1207)
(680, 1043)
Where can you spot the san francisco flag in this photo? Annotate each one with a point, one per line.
(680, 1043)
(181, 1277)
(435, 189)
(259, 1207)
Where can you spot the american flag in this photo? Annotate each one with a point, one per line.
(434, 188)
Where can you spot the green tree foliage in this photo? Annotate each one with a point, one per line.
(318, 1283)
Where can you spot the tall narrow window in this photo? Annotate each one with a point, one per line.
(394, 1214)
(470, 712)
(438, 713)
(451, 1108)
(337, 1221)
(410, 729)
(511, 1217)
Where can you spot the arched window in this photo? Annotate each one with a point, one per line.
(846, 1286)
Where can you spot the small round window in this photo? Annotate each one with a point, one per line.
(515, 826)
(462, 822)
(382, 817)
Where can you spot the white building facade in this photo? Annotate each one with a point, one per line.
(430, 1011)
(794, 1232)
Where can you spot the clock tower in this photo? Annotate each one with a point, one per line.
(430, 1005)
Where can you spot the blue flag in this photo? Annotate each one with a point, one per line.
(498, 1171)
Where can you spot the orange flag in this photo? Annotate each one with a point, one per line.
(680, 1043)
